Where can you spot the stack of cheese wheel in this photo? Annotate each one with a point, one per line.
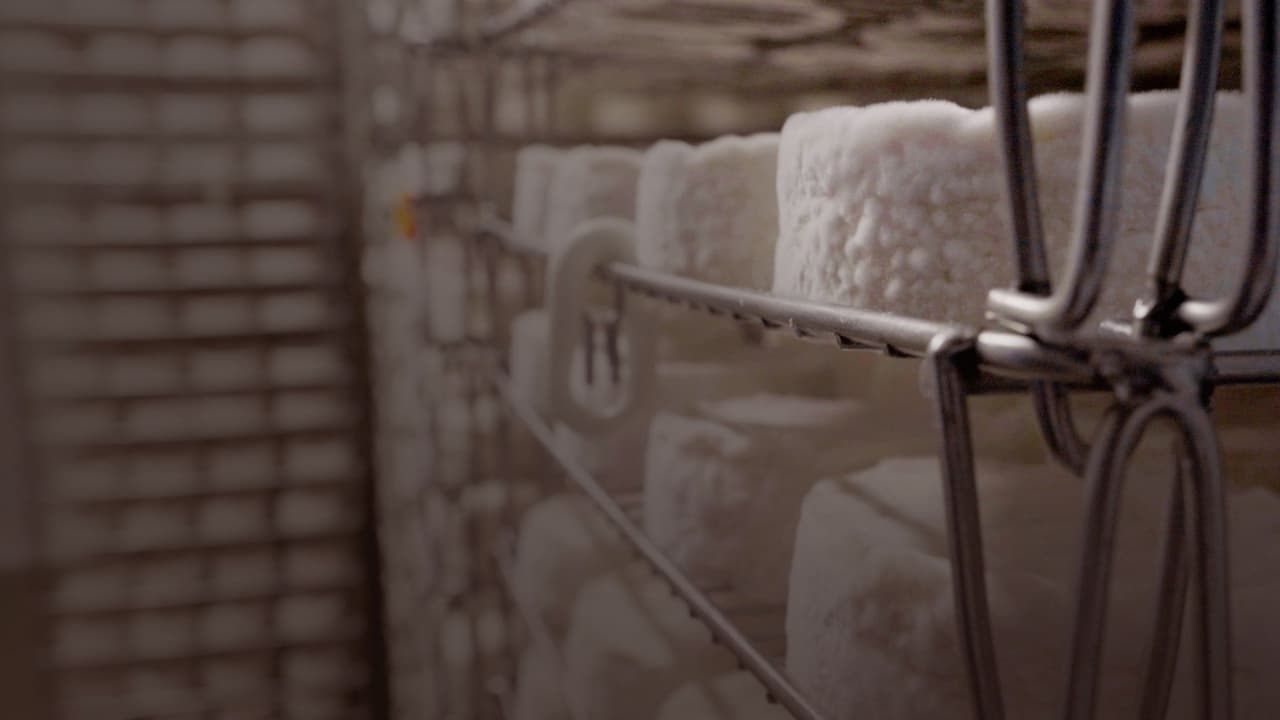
(723, 491)
(870, 618)
(898, 207)
(631, 643)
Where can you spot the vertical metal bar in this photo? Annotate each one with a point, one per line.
(1171, 600)
(1261, 77)
(964, 527)
(1097, 200)
(1190, 146)
(1122, 428)
(1212, 577)
(1120, 435)
(1008, 89)
(1098, 196)
(1053, 412)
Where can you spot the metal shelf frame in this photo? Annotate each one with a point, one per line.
(1156, 364)
(723, 630)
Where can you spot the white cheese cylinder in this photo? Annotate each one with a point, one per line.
(722, 495)
(870, 617)
(710, 212)
(897, 207)
(563, 543)
(591, 183)
(536, 168)
(632, 643)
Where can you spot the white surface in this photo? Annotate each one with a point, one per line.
(536, 167)
(616, 458)
(897, 207)
(710, 212)
(722, 495)
(563, 543)
(870, 625)
(631, 643)
(591, 183)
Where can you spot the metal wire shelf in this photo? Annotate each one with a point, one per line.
(1155, 369)
(723, 629)
(1002, 353)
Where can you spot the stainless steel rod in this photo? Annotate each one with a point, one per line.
(1121, 431)
(903, 335)
(1097, 202)
(1003, 353)
(722, 629)
(1261, 76)
(964, 528)
(1170, 603)
(1057, 425)
(1190, 146)
(1007, 79)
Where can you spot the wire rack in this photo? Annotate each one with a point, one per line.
(177, 251)
(1158, 366)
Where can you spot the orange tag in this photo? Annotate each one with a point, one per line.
(406, 218)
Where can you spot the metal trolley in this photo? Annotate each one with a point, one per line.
(442, 83)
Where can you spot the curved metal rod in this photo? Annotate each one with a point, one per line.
(964, 527)
(1120, 432)
(1098, 197)
(1171, 601)
(1238, 310)
(1007, 80)
(1058, 427)
(1191, 131)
